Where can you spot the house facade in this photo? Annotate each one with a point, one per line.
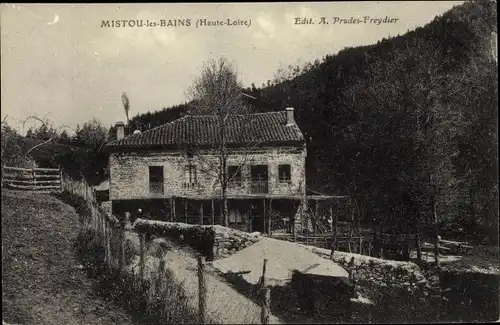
(174, 172)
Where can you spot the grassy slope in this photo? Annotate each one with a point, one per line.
(42, 282)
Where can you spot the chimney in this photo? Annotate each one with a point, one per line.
(120, 130)
(290, 120)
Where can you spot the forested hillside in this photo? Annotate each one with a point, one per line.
(407, 127)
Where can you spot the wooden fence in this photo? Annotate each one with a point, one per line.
(32, 179)
(113, 234)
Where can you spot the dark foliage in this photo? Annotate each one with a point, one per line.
(472, 297)
(201, 239)
(76, 202)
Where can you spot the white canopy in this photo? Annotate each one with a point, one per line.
(283, 258)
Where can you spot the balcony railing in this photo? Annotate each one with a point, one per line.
(156, 188)
(259, 187)
(191, 186)
(235, 183)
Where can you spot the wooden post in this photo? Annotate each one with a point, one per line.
(213, 212)
(201, 213)
(171, 210)
(103, 223)
(270, 217)
(266, 297)
(201, 289)
(294, 231)
(436, 227)
(142, 238)
(418, 246)
(109, 235)
(264, 214)
(316, 216)
(61, 178)
(34, 178)
(161, 269)
(122, 248)
(106, 237)
(335, 232)
(306, 215)
(174, 218)
(186, 210)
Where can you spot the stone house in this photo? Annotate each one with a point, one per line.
(173, 172)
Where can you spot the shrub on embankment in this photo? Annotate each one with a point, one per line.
(472, 296)
(143, 298)
(147, 302)
(76, 202)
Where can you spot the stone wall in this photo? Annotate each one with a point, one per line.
(214, 242)
(381, 271)
(229, 241)
(129, 172)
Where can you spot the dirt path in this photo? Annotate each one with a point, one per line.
(42, 282)
(224, 304)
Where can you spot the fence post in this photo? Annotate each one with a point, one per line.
(108, 242)
(98, 224)
(161, 269)
(34, 179)
(201, 289)
(266, 297)
(142, 240)
(61, 178)
(122, 247)
(106, 237)
(418, 246)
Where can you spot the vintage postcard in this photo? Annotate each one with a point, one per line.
(264, 163)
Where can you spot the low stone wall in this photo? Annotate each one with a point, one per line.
(229, 241)
(200, 238)
(375, 269)
(214, 242)
(400, 290)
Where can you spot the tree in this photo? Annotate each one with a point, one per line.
(126, 105)
(93, 134)
(217, 91)
(64, 137)
(47, 131)
(11, 147)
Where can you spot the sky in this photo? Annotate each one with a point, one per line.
(59, 62)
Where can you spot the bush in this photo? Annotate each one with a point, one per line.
(90, 252)
(76, 202)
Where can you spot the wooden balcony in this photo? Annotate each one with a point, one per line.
(259, 187)
(156, 188)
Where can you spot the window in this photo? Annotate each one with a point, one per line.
(284, 174)
(259, 179)
(234, 175)
(156, 179)
(190, 176)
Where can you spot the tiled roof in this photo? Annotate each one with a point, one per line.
(204, 130)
